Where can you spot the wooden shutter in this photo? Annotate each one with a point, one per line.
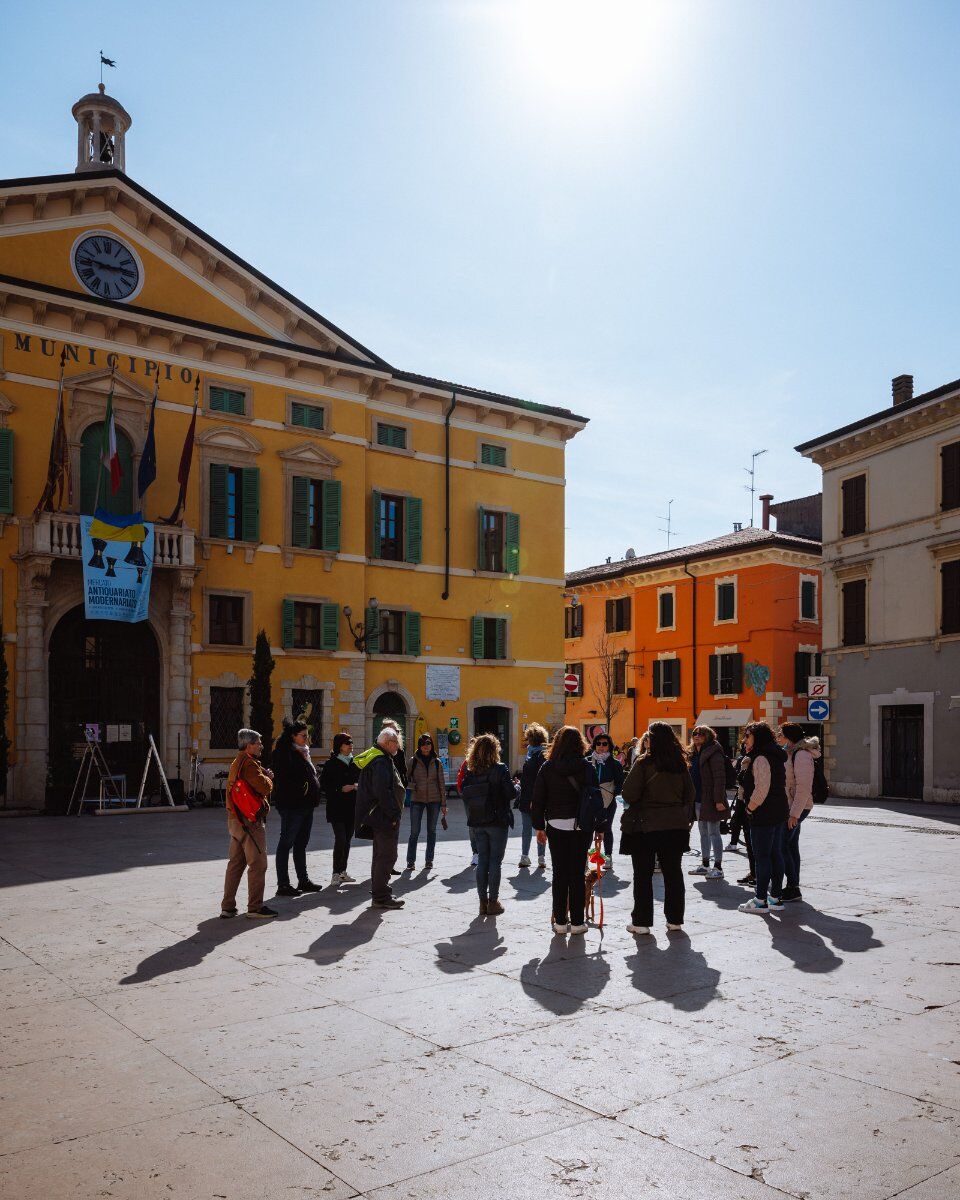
(331, 515)
(493, 456)
(250, 504)
(511, 559)
(330, 626)
(501, 637)
(287, 625)
(714, 674)
(476, 636)
(218, 500)
(816, 662)
(658, 677)
(676, 677)
(626, 614)
(736, 672)
(375, 507)
(854, 504)
(227, 400)
(6, 470)
(801, 671)
(300, 512)
(481, 555)
(854, 613)
(310, 416)
(578, 621)
(372, 625)
(412, 529)
(950, 597)
(411, 638)
(610, 611)
(950, 476)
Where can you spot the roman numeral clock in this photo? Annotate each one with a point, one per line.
(106, 267)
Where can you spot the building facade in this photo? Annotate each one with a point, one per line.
(393, 534)
(891, 545)
(719, 633)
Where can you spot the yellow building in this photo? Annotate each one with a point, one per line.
(398, 537)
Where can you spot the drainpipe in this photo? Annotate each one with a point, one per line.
(693, 638)
(446, 471)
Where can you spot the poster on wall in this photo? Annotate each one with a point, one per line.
(117, 565)
(443, 683)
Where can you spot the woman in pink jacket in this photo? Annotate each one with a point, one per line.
(802, 753)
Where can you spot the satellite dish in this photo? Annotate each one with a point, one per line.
(631, 553)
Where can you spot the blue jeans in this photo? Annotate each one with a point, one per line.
(526, 837)
(710, 836)
(416, 819)
(491, 844)
(768, 854)
(791, 855)
(295, 826)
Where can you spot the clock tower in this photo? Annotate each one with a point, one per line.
(102, 124)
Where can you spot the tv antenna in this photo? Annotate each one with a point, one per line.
(751, 487)
(669, 520)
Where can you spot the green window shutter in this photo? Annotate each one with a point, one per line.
(330, 626)
(309, 416)
(6, 470)
(287, 632)
(250, 498)
(394, 436)
(331, 515)
(300, 515)
(227, 400)
(411, 641)
(376, 524)
(218, 500)
(372, 626)
(501, 637)
(481, 563)
(476, 636)
(413, 529)
(512, 553)
(493, 456)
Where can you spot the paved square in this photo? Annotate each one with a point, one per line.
(151, 1050)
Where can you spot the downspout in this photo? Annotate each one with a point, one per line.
(693, 638)
(446, 471)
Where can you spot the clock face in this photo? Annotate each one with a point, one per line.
(106, 267)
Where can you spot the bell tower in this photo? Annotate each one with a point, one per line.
(102, 124)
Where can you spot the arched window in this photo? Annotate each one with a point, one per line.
(90, 447)
(390, 705)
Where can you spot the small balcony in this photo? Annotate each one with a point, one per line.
(58, 534)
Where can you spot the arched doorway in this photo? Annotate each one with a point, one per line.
(103, 673)
(390, 704)
(91, 443)
(495, 719)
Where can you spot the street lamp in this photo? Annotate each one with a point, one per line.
(359, 632)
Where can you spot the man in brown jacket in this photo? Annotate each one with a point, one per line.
(248, 838)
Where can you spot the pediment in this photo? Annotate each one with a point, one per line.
(237, 440)
(310, 454)
(99, 381)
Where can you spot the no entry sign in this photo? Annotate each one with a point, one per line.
(571, 684)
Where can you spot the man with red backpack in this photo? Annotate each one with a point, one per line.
(248, 801)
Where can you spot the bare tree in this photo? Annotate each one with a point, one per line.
(604, 684)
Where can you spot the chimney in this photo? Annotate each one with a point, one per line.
(766, 500)
(902, 389)
(737, 526)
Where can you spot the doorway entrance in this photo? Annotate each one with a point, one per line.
(901, 742)
(491, 718)
(391, 705)
(103, 673)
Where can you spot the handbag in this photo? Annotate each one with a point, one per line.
(245, 800)
(590, 811)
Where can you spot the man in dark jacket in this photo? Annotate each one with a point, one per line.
(380, 806)
(536, 738)
(609, 773)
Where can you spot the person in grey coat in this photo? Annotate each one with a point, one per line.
(380, 794)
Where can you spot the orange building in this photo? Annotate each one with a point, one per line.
(719, 633)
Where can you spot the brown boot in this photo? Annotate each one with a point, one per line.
(483, 908)
(494, 908)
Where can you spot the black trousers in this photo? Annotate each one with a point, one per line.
(668, 846)
(737, 821)
(568, 861)
(385, 844)
(342, 835)
(748, 841)
(295, 826)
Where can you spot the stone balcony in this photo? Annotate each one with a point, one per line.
(58, 535)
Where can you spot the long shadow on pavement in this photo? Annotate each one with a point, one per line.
(481, 942)
(676, 973)
(591, 969)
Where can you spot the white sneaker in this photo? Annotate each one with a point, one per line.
(639, 929)
(715, 873)
(524, 860)
(345, 878)
(336, 879)
(541, 862)
(579, 928)
(674, 928)
(701, 870)
(562, 930)
(474, 860)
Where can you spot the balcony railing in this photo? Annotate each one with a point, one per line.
(59, 534)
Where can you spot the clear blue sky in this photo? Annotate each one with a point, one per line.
(710, 227)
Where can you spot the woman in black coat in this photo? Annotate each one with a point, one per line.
(296, 793)
(338, 782)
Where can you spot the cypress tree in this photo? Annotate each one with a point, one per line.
(261, 701)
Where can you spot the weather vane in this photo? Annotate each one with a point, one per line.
(105, 62)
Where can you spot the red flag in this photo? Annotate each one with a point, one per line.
(186, 459)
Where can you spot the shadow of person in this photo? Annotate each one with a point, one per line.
(809, 952)
(481, 942)
(338, 941)
(569, 976)
(721, 892)
(529, 884)
(675, 972)
(844, 932)
(462, 882)
(407, 883)
(189, 951)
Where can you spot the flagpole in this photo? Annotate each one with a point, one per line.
(104, 441)
(47, 495)
(183, 474)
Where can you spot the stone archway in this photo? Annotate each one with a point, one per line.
(402, 701)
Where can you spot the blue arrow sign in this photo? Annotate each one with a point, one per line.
(818, 710)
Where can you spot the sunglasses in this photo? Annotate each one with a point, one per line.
(600, 745)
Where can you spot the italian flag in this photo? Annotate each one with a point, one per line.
(108, 454)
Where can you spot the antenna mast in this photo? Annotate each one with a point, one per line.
(669, 520)
(751, 487)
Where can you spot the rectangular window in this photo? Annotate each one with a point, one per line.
(315, 513)
(726, 601)
(493, 528)
(726, 674)
(498, 542)
(391, 632)
(228, 400)
(805, 664)
(854, 613)
(576, 669)
(489, 637)
(308, 707)
(573, 621)
(808, 599)
(619, 676)
(394, 436)
(397, 528)
(853, 504)
(666, 678)
(310, 625)
(6, 471)
(665, 614)
(391, 528)
(950, 597)
(618, 615)
(234, 503)
(493, 456)
(307, 626)
(309, 416)
(226, 717)
(226, 620)
(950, 477)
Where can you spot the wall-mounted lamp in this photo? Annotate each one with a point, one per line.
(359, 631)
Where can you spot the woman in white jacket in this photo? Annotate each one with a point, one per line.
(802, 753)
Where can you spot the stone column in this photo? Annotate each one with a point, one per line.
(179, 675)
(32, 701)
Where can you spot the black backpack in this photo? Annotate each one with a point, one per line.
(821, 789)
(481, 798)
(730, 772)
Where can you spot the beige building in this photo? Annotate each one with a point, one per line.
(891, 596)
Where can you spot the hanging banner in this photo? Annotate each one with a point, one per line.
(117, 564)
